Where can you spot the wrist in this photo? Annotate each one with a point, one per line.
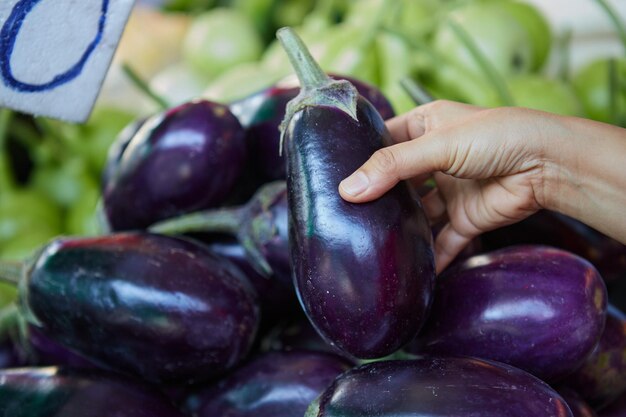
(584, 173)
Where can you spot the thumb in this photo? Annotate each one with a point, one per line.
(389, 165)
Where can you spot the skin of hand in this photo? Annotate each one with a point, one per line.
(495, 167)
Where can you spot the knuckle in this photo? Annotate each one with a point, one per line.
(384, 161)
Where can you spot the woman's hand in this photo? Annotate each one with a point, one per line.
(492, 167)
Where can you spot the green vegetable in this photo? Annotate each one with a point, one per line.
(220, 39)
(593, 88)
(541, 93)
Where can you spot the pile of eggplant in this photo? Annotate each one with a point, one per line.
(234, 281)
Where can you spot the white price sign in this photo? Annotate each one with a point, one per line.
(54, 54)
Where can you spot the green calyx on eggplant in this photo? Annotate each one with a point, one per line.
(260, 226)
(364, 273)
(157, 307)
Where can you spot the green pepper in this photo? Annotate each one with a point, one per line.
(395, 63)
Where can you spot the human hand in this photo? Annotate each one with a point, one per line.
(489, 166)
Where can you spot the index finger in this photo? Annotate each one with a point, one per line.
(424, 118)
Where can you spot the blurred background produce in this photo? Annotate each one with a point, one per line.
(562, 56)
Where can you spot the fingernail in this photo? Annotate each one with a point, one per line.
(355, 184)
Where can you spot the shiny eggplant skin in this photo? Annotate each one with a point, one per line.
(538, 308)
(577, 405)
(276, 297)
(602, 378)
(441, 387)
(276, 384)
(183, 160)
(364, 273)
(48, 352)
(261, 114)
(555, 229)
(161, 308)
(54, 392)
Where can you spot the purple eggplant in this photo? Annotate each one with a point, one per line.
(537, 308)
(577, 405)
(50, 353)
(555, 229)
(183, 160)
(364, 273)
(616, 409)
(442, 387)
(262, 113)
(161, 308)
(54, 392)
(276, 384)
(277, 298)
(260, 226)
(602, 378)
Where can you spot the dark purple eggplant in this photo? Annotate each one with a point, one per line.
(577, 405)
(616, 409)
(364, 273)
(261, 114)
(48, 352)
(161, 308)
(442, 387)
(276, 384)
(277, 298)
(555, 229)
(602, 378)
(54, 392)
(260, 226)
(537, 308)
(183, 160)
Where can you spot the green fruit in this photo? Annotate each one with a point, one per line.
(536, 25)
(26, 213)
(592, 86)
(349, 50)
(82, 218)
(219, 40)
(178, 83)
(499, 36)
(64, 184)
(541, 93)
(240, 82)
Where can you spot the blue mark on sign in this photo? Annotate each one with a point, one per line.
(8, 36)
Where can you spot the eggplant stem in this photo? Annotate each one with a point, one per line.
(617, 23)
(11, 272)
(416, 91)
(226, 220)
(307, 69)
(256, 258)
(142, 86)
(490, 72)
